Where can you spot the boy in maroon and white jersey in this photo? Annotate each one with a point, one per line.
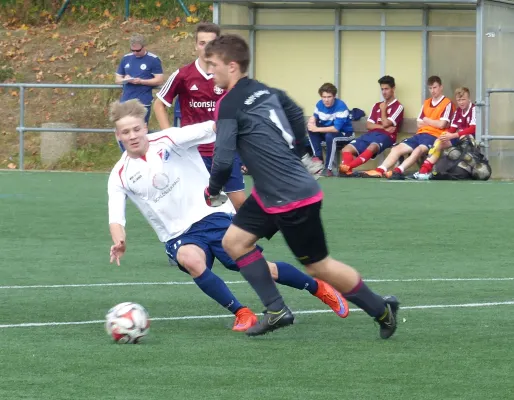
(463, 123)
(383, 123)
(197, 96)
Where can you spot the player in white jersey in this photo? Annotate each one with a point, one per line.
(164, 175)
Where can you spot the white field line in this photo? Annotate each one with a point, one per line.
(90, 285)
(197, 317)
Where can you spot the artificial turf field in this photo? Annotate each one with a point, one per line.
(445, 249)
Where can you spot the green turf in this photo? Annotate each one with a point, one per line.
(54, 231)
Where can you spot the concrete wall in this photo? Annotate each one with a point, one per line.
(301, 61)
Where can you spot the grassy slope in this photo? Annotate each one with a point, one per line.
(75, 52)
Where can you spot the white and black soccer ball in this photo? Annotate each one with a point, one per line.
(127, 322)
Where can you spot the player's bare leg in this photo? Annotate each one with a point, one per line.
(237, 198)
(398, 172)
(240, 246)
(347, 281)
(193, 259)
(391, 159)
(434, 154)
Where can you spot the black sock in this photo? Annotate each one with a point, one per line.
(362, 296)
(254, 269)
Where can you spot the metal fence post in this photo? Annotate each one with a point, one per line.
(21, 129)
(487, 122)
(127, 9)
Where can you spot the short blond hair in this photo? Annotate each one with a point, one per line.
(461, 91)
(131, 108)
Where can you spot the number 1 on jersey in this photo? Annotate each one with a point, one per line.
(285, 134)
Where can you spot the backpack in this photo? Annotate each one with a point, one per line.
(356, 114)
(462, 162)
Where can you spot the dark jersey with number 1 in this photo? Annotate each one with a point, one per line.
(267, 129)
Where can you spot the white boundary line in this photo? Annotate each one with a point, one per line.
(90, 285)
(197, 317)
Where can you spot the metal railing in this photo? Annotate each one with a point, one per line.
(486, 137)
(22, 128)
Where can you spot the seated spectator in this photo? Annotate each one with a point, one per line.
(383, 123)
(463, 123)
(331, 121)
(433, 119)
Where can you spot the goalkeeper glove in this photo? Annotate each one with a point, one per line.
(214, 200)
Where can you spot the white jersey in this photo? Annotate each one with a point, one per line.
(168, 183)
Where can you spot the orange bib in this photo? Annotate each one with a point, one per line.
(434, 113)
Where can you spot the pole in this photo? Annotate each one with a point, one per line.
(21, 129)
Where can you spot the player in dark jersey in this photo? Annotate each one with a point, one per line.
(267, 129)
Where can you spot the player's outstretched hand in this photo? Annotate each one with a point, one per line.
(117, 251)
(214, 200)
(313, 166)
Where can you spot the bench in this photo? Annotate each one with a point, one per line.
(409, 127)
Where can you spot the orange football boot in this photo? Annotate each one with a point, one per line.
(372, 174)
(345, 169)
(245, 318)
(332, 298)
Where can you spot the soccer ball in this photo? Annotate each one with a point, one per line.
(127, 322)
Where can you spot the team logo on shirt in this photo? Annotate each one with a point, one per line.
(127, 65)
(218, 90)
(164, 154)
(143, 66)
(160, 181)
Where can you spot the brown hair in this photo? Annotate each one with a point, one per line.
(461, 91)
(434, 79)
(133, 108)
(230, 48)
(327, 88)
(207, 27)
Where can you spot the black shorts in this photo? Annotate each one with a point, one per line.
(302, 228)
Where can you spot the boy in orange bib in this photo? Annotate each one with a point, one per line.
(434, 118)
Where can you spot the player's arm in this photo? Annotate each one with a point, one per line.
(326, 129)
(442, 122)
(395, 119)
(191, 135)
(421, 119)
(294, 115)
(371, 124)
(471, 130)
(225, 147)
(161, 113)
(386, 123)
(116, 206)
(165, 98)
